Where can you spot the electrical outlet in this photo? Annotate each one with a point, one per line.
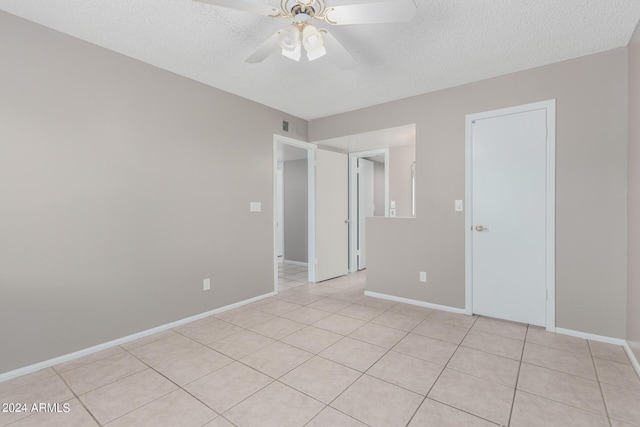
(458, 206)
(255, 206)
(206, 284)
(423, 276)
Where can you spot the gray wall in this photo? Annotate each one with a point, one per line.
(296, 216)
(378, 188)
(122, 187)
(400, 160)
(591, 95)
(633, 202)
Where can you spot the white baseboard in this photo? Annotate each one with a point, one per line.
(303, 264)
(80, 353)
(608, 340)
(415, 302)
(592, 337)
(632, 357)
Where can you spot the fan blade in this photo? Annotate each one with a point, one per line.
(260, 9)
(336, 52)
(267, 48)
(372, 13)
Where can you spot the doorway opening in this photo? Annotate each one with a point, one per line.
(392, 150)
(368, 196)
(293, 212)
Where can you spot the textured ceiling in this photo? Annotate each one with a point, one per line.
(450, 42)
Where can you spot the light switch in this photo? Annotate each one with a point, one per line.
(255, 206)
(458, 206)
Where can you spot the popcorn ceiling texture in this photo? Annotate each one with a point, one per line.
(449, 43)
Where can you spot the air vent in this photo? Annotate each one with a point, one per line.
(285, 126)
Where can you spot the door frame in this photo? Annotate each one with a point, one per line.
(550, 238)
(280, 207)
(311, 203)
(353, 199)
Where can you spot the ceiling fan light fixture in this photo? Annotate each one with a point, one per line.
(289, 40)
(316, 53)
(293, 54)
(313, 42)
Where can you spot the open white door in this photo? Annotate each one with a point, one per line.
(354, 236)
(332, 210)
(366, 207)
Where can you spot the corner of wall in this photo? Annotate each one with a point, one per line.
(633, 201)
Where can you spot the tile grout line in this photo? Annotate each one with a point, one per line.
(582, 409)
(360, 376)
(159, 397)
(391, 349)
(78, 397)
(277, 379)
(426, 396)
(362, 373)
(244, 399)
(595, 369)
(326, 405)
(262, 373)
(220, 414)
(233, 360)
(515, 387)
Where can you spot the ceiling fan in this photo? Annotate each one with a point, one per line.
(302, 33)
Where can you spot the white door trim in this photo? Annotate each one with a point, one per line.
(550, 107)
(353, 199)
(280, 209)
(311, 192)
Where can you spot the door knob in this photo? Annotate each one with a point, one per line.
(346, 221)
(481, 228)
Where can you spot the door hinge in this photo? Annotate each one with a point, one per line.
(358, 252)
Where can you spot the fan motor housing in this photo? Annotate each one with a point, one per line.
(304, 9)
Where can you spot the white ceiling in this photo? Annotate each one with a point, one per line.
(449, 43)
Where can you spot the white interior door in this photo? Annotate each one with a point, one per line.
(332, 213)
(509, 182)
(366, 207)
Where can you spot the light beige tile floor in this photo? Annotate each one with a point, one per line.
(324, 355)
